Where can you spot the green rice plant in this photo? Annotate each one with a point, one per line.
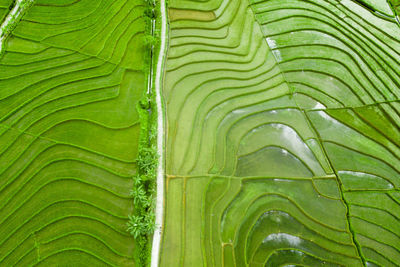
(283, 141)
(71, 76)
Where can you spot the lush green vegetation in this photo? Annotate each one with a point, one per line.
(76, 139)
(142, 223)
(283, 138)
(4, 8)
(396, 7)
(283, 133)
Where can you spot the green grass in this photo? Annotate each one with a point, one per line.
(283, 134)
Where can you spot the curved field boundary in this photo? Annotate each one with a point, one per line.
(71, 78)
(282, 134)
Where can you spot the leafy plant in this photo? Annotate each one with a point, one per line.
(141, 224)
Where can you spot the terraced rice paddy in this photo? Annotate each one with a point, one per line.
(282, 133)
(4, 4)
(70, 79)
(283, 141)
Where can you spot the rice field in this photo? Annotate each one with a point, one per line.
(70, 79)
(282, 133)
(283, 123)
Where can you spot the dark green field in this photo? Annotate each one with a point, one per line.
(70, 79)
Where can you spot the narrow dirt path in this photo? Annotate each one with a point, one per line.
(155, 253)
(12, 19)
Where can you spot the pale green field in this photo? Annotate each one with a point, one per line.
(283, 141)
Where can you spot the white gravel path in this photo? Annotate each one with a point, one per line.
(12, 18)
(155, 252)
